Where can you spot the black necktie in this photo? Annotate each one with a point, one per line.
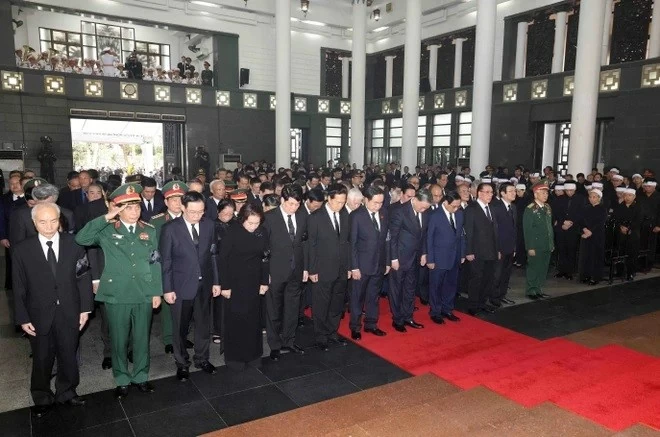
(336, 224)
(150, 208)
(292, 230)
(373, 219)
(195, 235)
(490, 217)
(419, 222)
(508, 209)
(451, 221)
(52, 261)
(84, 197)
(130, 229)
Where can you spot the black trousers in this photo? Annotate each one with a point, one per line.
(183, 310)
(283, 306)
(502, 277)
(60, 342)
(217, 304)
(567, 247)
(402, 293)
(482, 275)
(327, 305)
(365, 294)
(422, 283)
(305, 298)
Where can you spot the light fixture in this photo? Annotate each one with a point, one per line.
(313, 23)
(304, 6)
(376, 14)
(380, 29)
(203, 3)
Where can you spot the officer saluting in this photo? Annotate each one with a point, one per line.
(539, 240)
(130, 285)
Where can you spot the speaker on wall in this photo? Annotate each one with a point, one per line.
(425, 85)
(245, 76)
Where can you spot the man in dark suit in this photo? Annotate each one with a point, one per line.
(329, 261)
(218, 193)
(287, 232)
(482, 250)
(53, 301)
(506, 216)
(152, 200)
(265, 188)
(70, 200)
(190, 280)
(12, 199)
(408, 226)
(369, 261)
(253, 195)
(446, 246)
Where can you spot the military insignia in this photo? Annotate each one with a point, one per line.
(130, 189)
(117, 236)
(37, 183)
(175, 187)
(144, 236)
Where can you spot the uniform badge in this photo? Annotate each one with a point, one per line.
(144, 236)
(130, 189)
(117, 236)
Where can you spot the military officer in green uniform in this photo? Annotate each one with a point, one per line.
(539, 240)
(131, 284)
(172, 192)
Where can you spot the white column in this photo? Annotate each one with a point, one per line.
(433, 65)
(283, 84)
(458, 61)
(521, 50)
(389, 75)
(654, 39)
(587, 80)
(607, 28)
(358, 84)
(482, 99)
(558, 55)
(413, 51)
(345, 76)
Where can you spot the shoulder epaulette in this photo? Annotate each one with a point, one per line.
(143, 224)
(117, 223)
(158, 216)
(531, 205)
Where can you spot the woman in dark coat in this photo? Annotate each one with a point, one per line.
(244, 270)
(225, 218)
(592, 247)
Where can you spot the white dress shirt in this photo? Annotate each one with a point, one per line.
(449, 215)
(285, 216)
(128, 225)
(331, 214)
(147, 202)
(483, 207)
(56, 245)
(189, 227)
(377, 218)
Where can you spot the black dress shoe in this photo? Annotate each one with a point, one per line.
(356, 335)
(592, 282)
(474, 312)
(569, 277)
(438, 320)
(121, 391)
(40, 411)
(630, 278)
(301, 322)
(182, 374)
(451, 317)
(413, 324)
(508, 301)
(106, 363)
(189, 344)
(544, 296)
(375, 331)
(206, 367)
(275, 355)
(322, 346)
(169, 349)
(130, 356)
(488, 308)
(534, 297)
(423, 301)
(559, 275)
(76, 401)
(399, 328)
(496, 304)
(294, 349)
(144, 387)
(339, 340)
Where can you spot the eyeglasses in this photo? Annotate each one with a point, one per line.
(191, 212)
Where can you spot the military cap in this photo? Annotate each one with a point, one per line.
(34, 182)
(126, 193)
(239, 195)
(201, 172)
(174, 188)
(540, 186)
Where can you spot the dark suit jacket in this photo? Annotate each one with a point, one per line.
(328, 254)
(8, 206)
(446, 247)
(21, 225)
(407, 237)
(369, 249)
(37, 292)
(83, 215)
(282, 250)
(71, 199)
(183, 263)
(507, 233)
(481, 233)
(210, 209)
(159, 207)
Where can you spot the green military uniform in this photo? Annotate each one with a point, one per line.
(130, 279)
(539, 236)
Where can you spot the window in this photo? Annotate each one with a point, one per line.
(333, 139)
(395, 140)
(441, 138)
(66, 43)
(296, 145)
(377, 148)
(151, 54)
(464, 135)
(421, 140)
(564, 145)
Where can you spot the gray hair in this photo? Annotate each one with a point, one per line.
(354, 193)
(46, 205)
(43, 192)
(214, 182)
(424, 195)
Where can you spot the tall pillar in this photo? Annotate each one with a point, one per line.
(7, 35)
(283, 84)
(358, 85)
(521, 50)
(458, 61)
(345, 76)
(389, 75)
(482, 98)
(433, 65)
(607, 29)
(558, 55)
(587, 80)
(413, 51)
(654, 39)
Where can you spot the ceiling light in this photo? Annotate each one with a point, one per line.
(313, 23)
(304, 6)
(202, 3)
(380, 29)
(294, 19)
(376, 14)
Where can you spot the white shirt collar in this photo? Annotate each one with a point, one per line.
(55, 239)
(129, 224)
(56, 244)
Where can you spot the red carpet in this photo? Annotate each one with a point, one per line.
(613, 386)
